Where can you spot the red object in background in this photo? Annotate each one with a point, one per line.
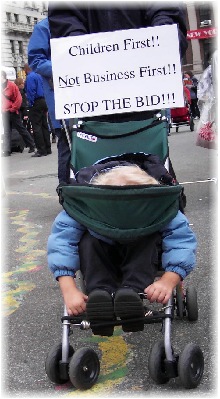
(187, 95)
(179, 115)
(204, 33)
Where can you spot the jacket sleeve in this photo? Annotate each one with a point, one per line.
(62, 247)
(39, 57)
(158, 13)
(178, 246)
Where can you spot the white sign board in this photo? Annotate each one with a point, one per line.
(114, 72)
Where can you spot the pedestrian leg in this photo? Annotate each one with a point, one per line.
(46, 133)
(36, 114)
(6, 147)
(26, 136)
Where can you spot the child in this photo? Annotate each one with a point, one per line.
(115, 273)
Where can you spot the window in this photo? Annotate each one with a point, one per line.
(205, 12)
(12, 43)
(28, 19)
(35, 21)
(16, 17)
(20, 48)
(8, 16)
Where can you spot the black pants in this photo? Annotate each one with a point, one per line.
(13, 120)
(64, 156)
(111, 266)
(194, 108)
(38, 118)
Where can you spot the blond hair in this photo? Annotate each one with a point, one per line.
(123, 176)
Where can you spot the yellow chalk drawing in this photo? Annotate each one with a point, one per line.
(14, 290)
(114, 349)
(41, 195)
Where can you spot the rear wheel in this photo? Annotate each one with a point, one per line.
(191, 304)
(180, 301)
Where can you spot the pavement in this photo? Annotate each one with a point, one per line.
(32, 305)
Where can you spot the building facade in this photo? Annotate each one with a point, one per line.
(17, 22)
(201, 20)
(19, 18)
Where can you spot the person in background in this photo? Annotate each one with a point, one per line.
(39, 59)
(191, 83)
(67, 18)
(11, 104)
(37, 112)
(24, 111)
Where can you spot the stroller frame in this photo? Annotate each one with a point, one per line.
(82, 366)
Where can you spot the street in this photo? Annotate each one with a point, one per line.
(32, 306)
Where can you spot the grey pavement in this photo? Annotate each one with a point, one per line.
(32, 305)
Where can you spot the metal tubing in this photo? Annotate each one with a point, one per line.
(65, 338)
(167, 332)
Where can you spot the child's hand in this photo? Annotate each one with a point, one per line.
(75, 302)
(161, 290)
(74, 299)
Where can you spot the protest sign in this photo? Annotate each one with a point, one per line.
(114, 72)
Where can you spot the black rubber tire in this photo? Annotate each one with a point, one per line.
(191, 304)
(179, 301)
(156, 364)
(84, 368)
(52, 363)
(191, 366)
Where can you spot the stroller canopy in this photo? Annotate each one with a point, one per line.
(125, 212)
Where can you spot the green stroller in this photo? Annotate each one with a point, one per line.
(132, 212)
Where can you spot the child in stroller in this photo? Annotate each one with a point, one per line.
(116, 272)
(114, 234)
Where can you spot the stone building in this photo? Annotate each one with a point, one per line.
(17, 22)
(19, 18)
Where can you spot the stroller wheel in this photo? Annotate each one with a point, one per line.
(52, 364)
(191, 304)
(191, 366)
(156, 364)
(180, 301)
(84, 368)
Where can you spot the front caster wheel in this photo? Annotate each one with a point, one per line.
(191, 366)
(84, 368)
(156, 363)
(52, 364)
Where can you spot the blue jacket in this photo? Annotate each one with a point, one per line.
(33, 87)
(39, 59)
(178, 246)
